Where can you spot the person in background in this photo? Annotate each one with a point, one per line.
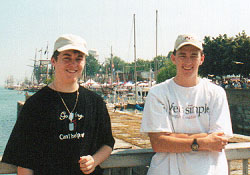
(64, 128)
(187, 118)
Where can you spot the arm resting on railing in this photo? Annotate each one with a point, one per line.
(142, 157)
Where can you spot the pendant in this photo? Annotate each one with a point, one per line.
(71, 116)
(71, 126)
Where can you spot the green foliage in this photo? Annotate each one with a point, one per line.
(158, 62)
(118, 64)
(218, 56)
(92, 66)
(169, 54)
(222, 54)
(166, 72)
(242, 54)
(141, 66)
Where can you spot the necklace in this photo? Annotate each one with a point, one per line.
(71, 114)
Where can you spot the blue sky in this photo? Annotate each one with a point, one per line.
(27, 25)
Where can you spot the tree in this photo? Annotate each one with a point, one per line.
(166, 72)
(226, 55)
(118, 64)
(241, 58)
(158, 62)
(92, 66)
(218, 56)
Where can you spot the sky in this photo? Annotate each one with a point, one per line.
(30, 25)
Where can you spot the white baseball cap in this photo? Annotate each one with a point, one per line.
(70, 41)
(183, 40)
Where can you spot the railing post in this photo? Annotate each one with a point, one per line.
(108, 171)
(129, 171)
(245, 166)
(229, 165)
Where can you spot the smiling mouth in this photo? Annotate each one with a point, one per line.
(187, 68)
(72, 71)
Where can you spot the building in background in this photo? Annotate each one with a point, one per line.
(94, 53)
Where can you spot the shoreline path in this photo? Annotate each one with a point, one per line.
(126, 129)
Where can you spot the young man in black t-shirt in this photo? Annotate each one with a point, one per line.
(63, 128)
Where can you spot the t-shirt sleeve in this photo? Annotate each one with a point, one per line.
(156, 114)
(22, 148)
(220, 120)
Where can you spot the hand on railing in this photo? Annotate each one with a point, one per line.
(87, 164)
(213, 142)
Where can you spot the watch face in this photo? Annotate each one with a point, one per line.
(195, 147)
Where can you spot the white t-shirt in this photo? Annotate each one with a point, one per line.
(176, 109)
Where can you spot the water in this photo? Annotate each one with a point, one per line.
(8, 113)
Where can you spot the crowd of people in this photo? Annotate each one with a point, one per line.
(233, 83)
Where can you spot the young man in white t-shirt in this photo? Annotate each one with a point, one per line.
(187, 118)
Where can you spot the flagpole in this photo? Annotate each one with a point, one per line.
(41, 55)
(156, 43)
(47, 52)
(111, 67)
(135, 73)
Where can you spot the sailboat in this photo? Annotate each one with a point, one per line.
(136, 98)
(141, 92)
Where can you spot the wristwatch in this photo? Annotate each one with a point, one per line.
(195, 145)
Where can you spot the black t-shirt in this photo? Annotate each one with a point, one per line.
(42, 141)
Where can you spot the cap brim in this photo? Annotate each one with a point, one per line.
(72, 47)
(189, 43)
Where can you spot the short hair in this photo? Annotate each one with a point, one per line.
(174, 52)
(56, 53)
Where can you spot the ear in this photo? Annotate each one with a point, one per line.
(53, 61)
(173, 58)
(202, 59)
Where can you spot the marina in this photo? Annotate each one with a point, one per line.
(128, 141)
(130, 47)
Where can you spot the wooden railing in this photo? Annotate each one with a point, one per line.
(136, 161)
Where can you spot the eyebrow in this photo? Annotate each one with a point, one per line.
(68, 54)
(182, 53)
(193, 53)
(81, 55)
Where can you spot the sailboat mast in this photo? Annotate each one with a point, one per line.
(111, 67)
(156, 44)
(156, 33)
(47, 69)
(34, 69)
(135, 76)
